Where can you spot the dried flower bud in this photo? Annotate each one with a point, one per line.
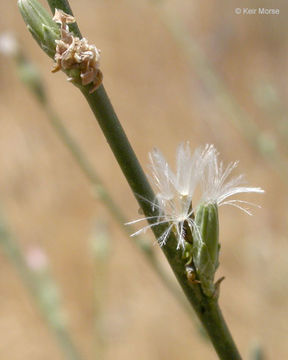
(74, 53)
(206, 246)
(40, 24)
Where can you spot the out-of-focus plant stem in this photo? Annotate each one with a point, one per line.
(100, 244)
(223, 97)
(257, 353)
(15, 254)
(82, 161)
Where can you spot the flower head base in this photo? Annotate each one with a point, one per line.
(74, 53)
(205, 247)
(176, 190)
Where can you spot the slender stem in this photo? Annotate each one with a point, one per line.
(107, 200)
(207, 309)
(117, 139)
(38, 90)
(102, 193)
(13, 251)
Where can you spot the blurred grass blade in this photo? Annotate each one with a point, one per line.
(100, 249)
(43, 289)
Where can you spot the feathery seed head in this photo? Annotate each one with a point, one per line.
(175, 191)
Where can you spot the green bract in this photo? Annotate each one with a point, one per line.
(39, 22)
(206, 246)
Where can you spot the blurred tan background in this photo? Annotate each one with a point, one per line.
(163, 93)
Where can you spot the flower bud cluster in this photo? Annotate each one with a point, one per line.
(75, 56)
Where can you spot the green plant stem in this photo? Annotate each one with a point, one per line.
(31, 78)
(108, 201)
(117, 139)
(207, 309)
(13, 251)
(102, 193)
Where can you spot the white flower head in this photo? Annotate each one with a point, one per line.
(175, 190)
(218, 185)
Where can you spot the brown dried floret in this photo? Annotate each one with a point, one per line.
(75, 53)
